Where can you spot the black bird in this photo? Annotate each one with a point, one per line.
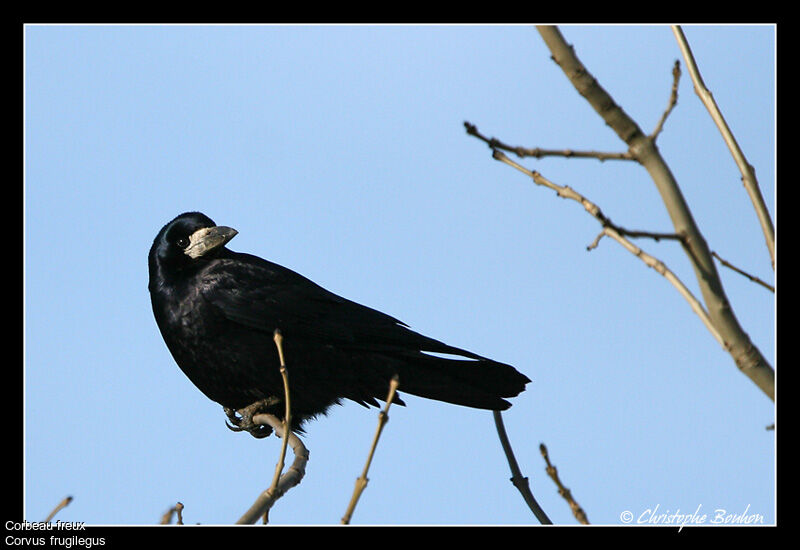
(217, 310)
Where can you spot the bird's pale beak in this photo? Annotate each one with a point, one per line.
(203, 241)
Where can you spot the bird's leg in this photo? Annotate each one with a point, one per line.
(244, 421)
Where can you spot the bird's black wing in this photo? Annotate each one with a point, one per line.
(264, 296)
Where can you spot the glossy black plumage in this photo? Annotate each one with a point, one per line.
(217, 311)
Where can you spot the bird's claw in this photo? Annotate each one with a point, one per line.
(244, 421)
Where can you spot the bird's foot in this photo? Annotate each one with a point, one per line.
(244, 421)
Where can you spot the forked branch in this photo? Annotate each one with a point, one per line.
(747, 357)
(291, 477)
(618, 234)
(281, 482)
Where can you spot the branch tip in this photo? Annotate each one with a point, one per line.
(551, 470)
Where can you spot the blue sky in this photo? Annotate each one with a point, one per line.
(340, 152)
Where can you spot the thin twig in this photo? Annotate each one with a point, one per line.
(611, 230)
(278, 337)
(280, 483)
(517, 479)
(63, 504)
(635, 234)
(551, 470)
(538, 152)
(167, 517)
(673, 99)
(596, 212)
(748, 172)
(291, 477)
(662, 269)
(741, 272)
(179, 513)
(361, 482)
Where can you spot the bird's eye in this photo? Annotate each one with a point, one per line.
(183, 242)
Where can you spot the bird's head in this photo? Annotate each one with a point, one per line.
(188, 240)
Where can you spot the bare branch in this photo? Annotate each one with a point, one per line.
(60, 506)
(635, 235)
(588, 86)
(610, 229)
(538, 152)
(551, 470)
(741, 272)
(569, 193)
(748, 172)
(293, 475)
(280, 483)
(661, 268)
(747, 357)
(179, 513)
(287, 419)
(673, 99)
(167, 517)
(361, 482)
(517, 479)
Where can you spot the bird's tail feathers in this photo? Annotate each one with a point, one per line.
(475, 382)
